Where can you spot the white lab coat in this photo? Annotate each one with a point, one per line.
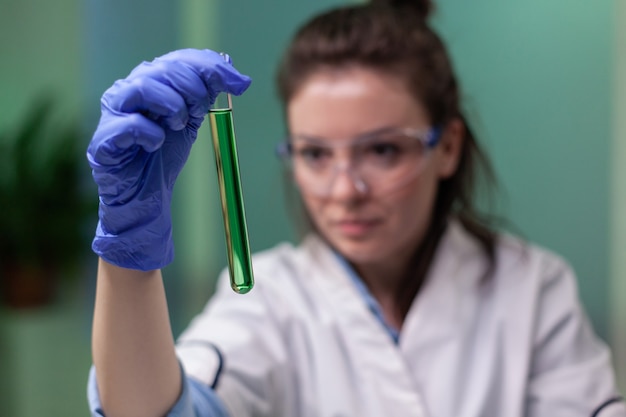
(304, 344)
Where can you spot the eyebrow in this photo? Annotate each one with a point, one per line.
(320, 140)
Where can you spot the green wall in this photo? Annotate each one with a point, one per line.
(40, 51)
(46, 355)
(43, 353)
(537, 79)
(618, 193)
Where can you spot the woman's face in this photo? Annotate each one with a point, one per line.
(336, 106)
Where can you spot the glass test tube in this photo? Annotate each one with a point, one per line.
(225, 149)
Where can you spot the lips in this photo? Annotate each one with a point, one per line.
(356, 227)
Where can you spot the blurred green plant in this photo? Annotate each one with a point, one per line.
(45, 204)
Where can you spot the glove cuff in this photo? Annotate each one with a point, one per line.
(145, 251)
(135, 235)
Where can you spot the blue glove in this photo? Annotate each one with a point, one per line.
(149, 122)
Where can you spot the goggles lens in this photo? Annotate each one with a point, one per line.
(376, 163)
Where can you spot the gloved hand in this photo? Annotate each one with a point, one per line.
(149, 122)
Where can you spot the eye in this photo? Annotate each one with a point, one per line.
(383, 152)
(313, 155)
(390, 150)
(384, 149)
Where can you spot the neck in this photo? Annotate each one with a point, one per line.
(385, 282)
(395, 283)
(382, 280)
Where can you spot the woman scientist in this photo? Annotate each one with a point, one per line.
(400, 302)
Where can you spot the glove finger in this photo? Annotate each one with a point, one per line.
(119, 135)
(180, 78)
(216, 74)
(150, 97)
(222, 76)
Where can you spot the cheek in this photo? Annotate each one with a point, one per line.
(313, 207)
(415, 205)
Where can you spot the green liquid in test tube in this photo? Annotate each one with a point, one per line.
(224, 145)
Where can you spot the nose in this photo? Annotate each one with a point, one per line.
(347, 184)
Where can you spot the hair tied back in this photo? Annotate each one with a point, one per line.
(423, 8)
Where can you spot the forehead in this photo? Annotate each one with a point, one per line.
(351, 102)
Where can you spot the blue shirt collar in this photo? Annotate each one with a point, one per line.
(369, 299)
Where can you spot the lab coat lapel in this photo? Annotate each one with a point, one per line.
(437, 312)
(375, 354)
(432, 336)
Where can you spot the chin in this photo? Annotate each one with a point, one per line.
(360, 252)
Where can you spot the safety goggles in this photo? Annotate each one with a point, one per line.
(377, 163)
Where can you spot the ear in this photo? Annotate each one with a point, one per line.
(450, 147)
